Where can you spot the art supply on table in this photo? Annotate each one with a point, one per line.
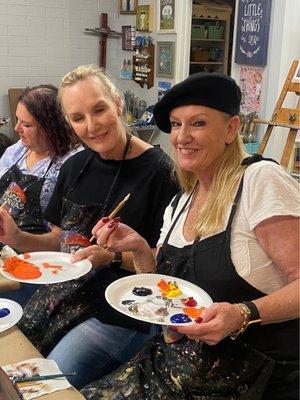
(37, 378)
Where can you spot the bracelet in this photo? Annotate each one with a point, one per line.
(251, 316)
(245, 312)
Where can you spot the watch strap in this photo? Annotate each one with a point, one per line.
(117, 261)
(254, 313)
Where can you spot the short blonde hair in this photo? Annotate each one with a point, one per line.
(83, 72)
(225, 181)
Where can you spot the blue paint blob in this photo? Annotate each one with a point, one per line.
(180, 319)
(4, 312)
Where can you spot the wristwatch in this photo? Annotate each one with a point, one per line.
(253, 313)
(117, 261)
(251, 316)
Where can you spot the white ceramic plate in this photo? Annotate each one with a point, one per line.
(144, 308)
(68, 272)
(13, 317)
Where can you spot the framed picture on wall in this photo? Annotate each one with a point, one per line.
(165, 59)
(128, 37)
(166, 16)
(144, 18)
(128, 6)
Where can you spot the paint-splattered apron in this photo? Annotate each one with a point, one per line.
(20, 194)
(230, 370)
(55, 309)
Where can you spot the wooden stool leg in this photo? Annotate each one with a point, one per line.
(265, 139)
(288, 148)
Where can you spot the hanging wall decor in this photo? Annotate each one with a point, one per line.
(166, 16)
(165, 59)
(253, 25)
(144, 18)
(128, 6)
(128, 37)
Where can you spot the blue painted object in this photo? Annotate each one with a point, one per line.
(4, 312)
(180, 319)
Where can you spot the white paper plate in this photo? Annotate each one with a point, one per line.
(68, 272)
(121, 290)
(13, 317)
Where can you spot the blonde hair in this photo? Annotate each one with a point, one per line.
(225, 181)
(83, 72)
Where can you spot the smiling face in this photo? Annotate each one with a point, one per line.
(199, 136)
(95, 117)
(31, 134)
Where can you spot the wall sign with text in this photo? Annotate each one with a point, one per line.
(253, 25)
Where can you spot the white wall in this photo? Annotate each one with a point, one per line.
(41, 40)
(284, 47)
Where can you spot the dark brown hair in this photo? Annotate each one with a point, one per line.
(41, 102)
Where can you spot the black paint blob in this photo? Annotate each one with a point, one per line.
(141, 291)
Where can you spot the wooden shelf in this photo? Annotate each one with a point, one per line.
(143, 66)
(206, 62)
(207, 40)
(210, 19)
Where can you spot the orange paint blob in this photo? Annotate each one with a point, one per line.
(47, 265)
(26, 256)
(193, 312)
(21, 269)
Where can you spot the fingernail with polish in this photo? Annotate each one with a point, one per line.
(111, 224)
(105, 219)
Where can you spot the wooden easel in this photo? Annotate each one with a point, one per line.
(284, 117)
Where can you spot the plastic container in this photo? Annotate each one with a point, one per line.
(251, 148)
(215, 32)
(200, 55)
(199, 32)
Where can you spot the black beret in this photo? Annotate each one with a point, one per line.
(203, 88)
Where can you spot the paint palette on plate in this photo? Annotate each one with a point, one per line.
(10, 313)
(158, 299)
(43, 267)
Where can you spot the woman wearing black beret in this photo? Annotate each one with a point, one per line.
(233, 232)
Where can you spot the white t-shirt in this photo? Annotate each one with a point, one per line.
(268, 191)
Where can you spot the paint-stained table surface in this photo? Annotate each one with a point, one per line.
(15, 347)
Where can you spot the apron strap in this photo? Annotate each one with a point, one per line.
(180, 213)
(74, 184)
(105, 204)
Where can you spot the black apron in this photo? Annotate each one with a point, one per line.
(20, 194)
(55, 309)
(208, 264)
(260, 364)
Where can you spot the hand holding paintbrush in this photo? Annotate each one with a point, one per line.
(114, 213)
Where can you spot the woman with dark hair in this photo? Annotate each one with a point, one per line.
(29, 168)
(91, 184)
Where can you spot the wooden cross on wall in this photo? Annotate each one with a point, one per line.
(103, 32)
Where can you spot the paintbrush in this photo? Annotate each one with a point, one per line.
(36, 378)
(114, 212)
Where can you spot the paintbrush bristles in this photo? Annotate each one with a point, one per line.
(119, 207)
(114, 212)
